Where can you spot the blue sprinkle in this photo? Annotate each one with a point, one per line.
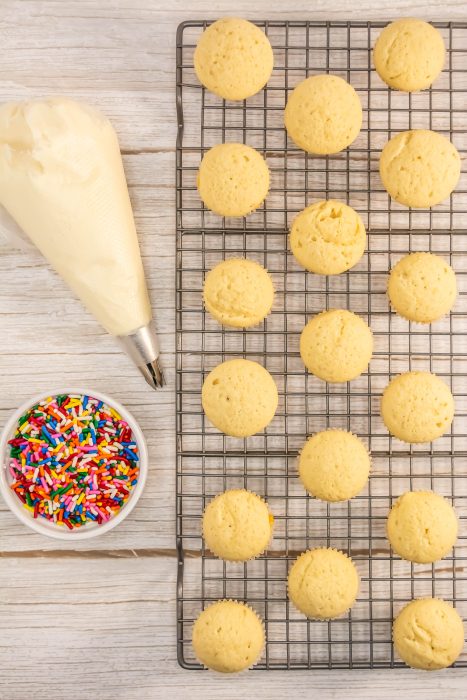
(47, 434)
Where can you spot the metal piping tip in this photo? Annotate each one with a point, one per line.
(153, 374)
(143, 348)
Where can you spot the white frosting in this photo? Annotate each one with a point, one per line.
(62, 181)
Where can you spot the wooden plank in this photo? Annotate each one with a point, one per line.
(105, 626)
(114, 619)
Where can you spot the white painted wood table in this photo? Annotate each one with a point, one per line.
(98, 620)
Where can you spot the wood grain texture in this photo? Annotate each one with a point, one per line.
(116, 626)
(114, 622)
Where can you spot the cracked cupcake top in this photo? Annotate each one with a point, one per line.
(336, 345)
(422, 526)
(409, 54)
(429, 634)
(323, 583)
(328, 237)
(238, 293)
(419, 168)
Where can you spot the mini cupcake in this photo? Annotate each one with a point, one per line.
(237, 525)
(334, 465)
(228, 637)
(428, 633)
(422, 526)
(323, 583)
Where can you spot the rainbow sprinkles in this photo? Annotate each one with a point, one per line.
(73, 460)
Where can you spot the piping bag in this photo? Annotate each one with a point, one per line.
(63, 187)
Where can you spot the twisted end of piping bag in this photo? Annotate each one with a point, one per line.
(142, 347)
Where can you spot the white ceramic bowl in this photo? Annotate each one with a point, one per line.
(43, 526)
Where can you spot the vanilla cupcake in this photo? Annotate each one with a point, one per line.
(228, 636)
(233, 58)
(323, 583)
(336, 345)
(417, 407)
(409, 54)
(238, 293)
(328, 237)
(422, 287)
(239, 397)
(428, 634)
(237, 525)
(334, 465)
(422, 526)
(233, 179)
(323, 114)
(419, 168)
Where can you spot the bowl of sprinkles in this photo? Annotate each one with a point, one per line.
(73, 463)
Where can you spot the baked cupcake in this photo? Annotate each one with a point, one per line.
(428, 634)
(417, 407)
(422, 287)
(336, 345)
(334, 465)
(233, 179)
(239, 397)
(237, 525)
(323, 583)
(409, 54)
(422, 526)
(228, 636)
(233, 58)
(323, 114)
(328, 237)
(238, 293)
(419, 168)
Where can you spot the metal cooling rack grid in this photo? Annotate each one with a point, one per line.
(208, 462)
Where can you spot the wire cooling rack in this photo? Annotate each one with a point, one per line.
(209, 462)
